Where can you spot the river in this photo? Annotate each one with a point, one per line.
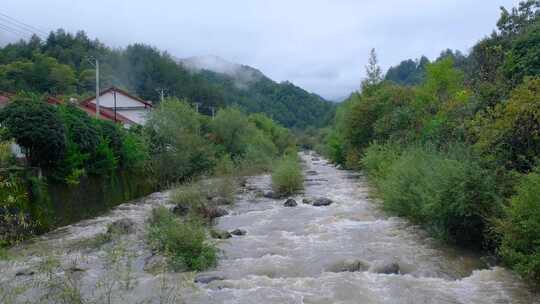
(287, 256)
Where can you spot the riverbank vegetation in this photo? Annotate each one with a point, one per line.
(287, 176)
(177, 144)
(182, 241)
(453, 144)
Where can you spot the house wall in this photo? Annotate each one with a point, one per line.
(138, 116)
(130, 108)
(107, 100)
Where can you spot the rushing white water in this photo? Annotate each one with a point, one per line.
(286, 255)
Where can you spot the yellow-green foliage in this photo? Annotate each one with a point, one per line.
(287, 177)
(449, 192)
(511, 131)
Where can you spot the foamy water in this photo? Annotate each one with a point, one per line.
(285, 255)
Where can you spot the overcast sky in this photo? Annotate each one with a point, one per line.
(319, 45)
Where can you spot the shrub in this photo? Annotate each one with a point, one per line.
(189, 195)
(182, 241)
(449, 192)
(520, 230)
(37, 127)
(287, 177)
(378, 158)
(177, 149)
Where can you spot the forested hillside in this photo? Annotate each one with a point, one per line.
(60, 65)
(454, 144)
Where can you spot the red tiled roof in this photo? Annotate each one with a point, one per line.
(104, 113)
(89, 108)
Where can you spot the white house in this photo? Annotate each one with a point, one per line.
(121, 102)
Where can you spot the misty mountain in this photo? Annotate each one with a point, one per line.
(251, 90)
(59, 66)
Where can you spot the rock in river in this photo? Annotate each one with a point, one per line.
(307, 200)
(385, 268)
(121, 226)
(238, 232)
(290, 203)
(322, 201)
(270, 194)
(205, 279)
(220, 234)
(349, 266)
(213, 212)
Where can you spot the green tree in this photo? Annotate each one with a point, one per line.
(37, 127)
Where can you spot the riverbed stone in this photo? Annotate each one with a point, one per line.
(180, 210)
(322, 201)
(25, 272)
(270, 194)
(307, 200)
(220, 234)
(214, 212)
(349, 265)
(205, 279)
(121, 226)
(238, 232)
(290, 203)
(386, 267)
(155, 263)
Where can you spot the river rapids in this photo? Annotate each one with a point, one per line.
(288, 255)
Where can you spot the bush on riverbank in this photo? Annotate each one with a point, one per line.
(520, 229)
(287, 177)
(182, 241)
(448, 149)
(448, 192)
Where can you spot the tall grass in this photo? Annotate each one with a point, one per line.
(182, 241)
(450, 193)
(287, 177)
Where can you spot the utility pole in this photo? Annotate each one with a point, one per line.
(97, 88)
(114, 93)
(197, 106)
(161, 92)
(95, 62)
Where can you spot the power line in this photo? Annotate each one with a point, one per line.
(13, 31)
(22, 25)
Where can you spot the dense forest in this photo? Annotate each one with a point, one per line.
(61, 66)
(453, 144)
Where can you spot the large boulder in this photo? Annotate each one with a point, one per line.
(121, 226)
(349, 266)
(322, 201)
(385, 267)
(290, 203)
